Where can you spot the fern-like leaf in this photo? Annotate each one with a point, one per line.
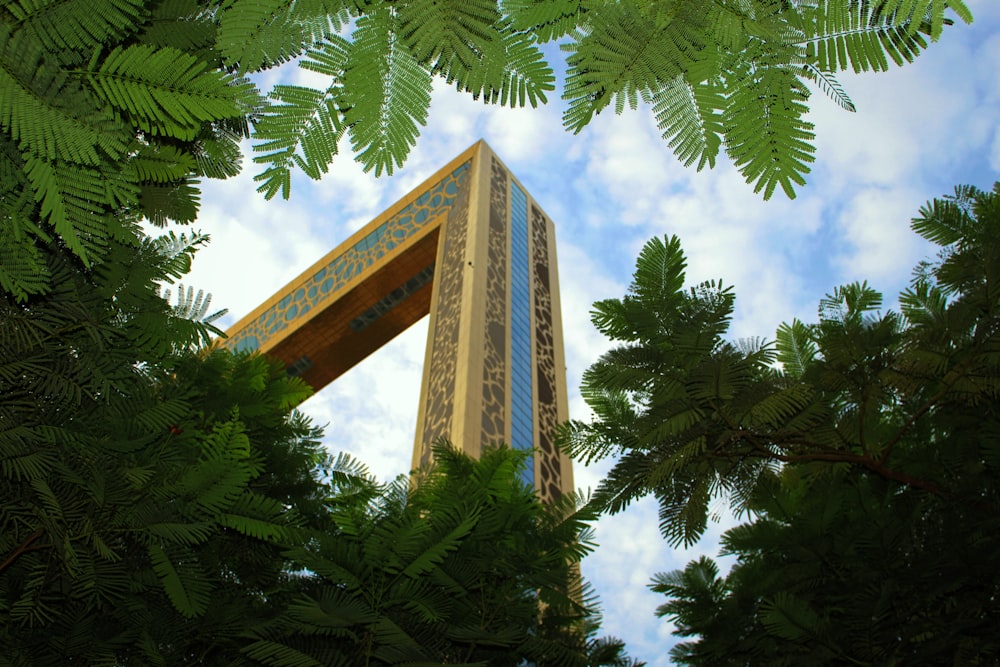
(163, 203)
(449, 36)
(828, 83)
(512, 73)
(434, 553)
(187, 588)
(49, 114)
(789, 617)
(75, 201)
(191, 306)
(947, 220)
(546, 21)
(766, 134)
(863, 36)
(169, 92)
(303, 129)
(259, 517)
(22, 267)
(177, 24)
(278, 655)
(267, 33)
(796, 348)
(388, 93)
(77, 25)
(914, 13)
(625, 54)
(160, 164)
(691, 120)
(190, 533)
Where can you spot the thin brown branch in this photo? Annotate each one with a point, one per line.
(872, 464)
(23, 548)
(837, 456)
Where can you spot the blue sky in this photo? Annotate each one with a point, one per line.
(918, 131)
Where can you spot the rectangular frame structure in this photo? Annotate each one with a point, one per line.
(473, 249)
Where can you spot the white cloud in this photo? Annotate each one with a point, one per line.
(995, 151)
(878, 245)
(371, 411)
(629, 162)
(256, 246)
(581, 283)
(346, 189)
(633, 551)
(526, 134)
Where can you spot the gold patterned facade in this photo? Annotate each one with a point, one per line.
(471, 248)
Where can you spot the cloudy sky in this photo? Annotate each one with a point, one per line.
(918, 131)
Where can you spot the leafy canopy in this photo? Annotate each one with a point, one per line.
(717, 75)
(863, 447)
(110, 113)
(112, 110)
(147, 490)
(467, 568)
(161, 502)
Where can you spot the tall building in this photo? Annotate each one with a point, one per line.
(472, 248)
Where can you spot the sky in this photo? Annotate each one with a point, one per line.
(918, 131)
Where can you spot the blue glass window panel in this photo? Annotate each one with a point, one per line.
(522, 430)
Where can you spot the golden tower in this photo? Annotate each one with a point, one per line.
(471, 247)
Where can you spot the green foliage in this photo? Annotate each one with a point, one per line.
(265, 33)
(299, 117)
(730, 74)
(162, 503)
(379, 79)
(840, 567)
(466, 568)
(661, 399)
(109, 110)
(862, 447)
(389, 92)
(144, 487)
(167, 92)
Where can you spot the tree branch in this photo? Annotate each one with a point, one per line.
(872, 464)
(23, 548)
(836, 456)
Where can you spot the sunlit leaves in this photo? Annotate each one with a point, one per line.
(265, 33)
(796, 347)
(388, 94)
(300, 128)
(545, 20)
(104, 126)
(767, 136)
(512, 73)
(691, 120)
(169, 92)
(86, 86)
(724, 73)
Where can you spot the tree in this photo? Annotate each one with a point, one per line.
(719, 74)
(161, 502)
(468, 567)
(112, 110)
(842, 567)
(863, 447)
(146, 491)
